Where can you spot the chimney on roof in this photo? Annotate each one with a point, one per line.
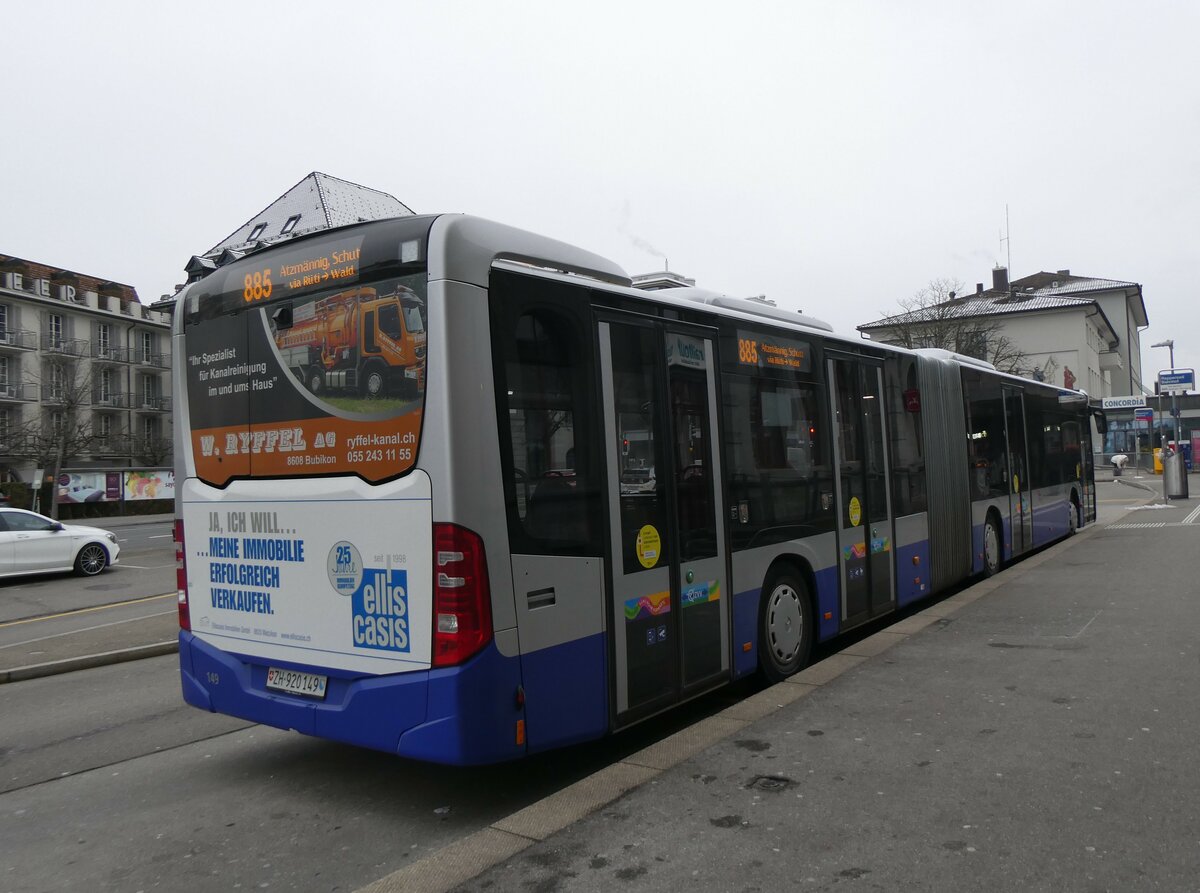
(953, 295)
(978, 288)
(1000, 278)
(1064, 272)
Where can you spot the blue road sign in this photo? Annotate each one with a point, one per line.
(1177, 380)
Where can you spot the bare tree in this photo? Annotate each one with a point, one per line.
(62, 430)
(152, 450)
(936, 317)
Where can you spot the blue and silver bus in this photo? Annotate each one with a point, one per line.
(502, 502)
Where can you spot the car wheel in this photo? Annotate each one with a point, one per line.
(991, 548)
(91, 559)
(1072, 517)
(785, 629)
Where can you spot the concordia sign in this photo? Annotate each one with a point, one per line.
(1122, 402)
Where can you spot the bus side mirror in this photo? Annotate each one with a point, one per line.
(282, 318)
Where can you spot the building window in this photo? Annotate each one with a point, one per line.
(106, 388)
(56, 331)
(104, 428)
(290, 225)
(58, 381)
(3, 322)
(256, 232)
(151, 391)
(6, 422)
(58, 422)
(149, 428)
(103, 339)
(147, 347)
(4, 372)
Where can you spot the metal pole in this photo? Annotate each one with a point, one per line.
(1174, 410)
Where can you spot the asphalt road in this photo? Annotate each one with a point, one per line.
(147, 567)
(109, 782)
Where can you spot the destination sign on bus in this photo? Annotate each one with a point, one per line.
(773, 352)
(333, 260)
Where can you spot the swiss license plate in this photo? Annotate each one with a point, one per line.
(294, 682)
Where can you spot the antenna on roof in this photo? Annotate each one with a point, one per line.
(1006, 243)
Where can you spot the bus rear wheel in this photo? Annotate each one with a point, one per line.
(785, 629)
(992, 554)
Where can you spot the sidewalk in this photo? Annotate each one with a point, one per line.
(1034, 732)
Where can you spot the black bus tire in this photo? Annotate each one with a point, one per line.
(993, 547)
(785, 625)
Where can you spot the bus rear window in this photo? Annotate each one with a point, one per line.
(300, 363)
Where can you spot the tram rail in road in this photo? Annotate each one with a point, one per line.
(87, 637)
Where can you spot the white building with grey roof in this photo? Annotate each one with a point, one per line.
(1076, 331)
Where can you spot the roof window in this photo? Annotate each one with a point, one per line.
(256, 232)
(290, 225)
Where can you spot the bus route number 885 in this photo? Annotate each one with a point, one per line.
(256, 286)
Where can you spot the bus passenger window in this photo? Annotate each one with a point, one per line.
(553, 497)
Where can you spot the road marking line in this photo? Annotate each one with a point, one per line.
(132, 601)
(160, 536)
(86, 629)
(144, 567)
(1191, 519)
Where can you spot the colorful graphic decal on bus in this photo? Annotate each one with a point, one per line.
(881, 544)
(647, 606)
(854, 550)
(314, 367)
(648, 546)
(336, 583)
(701, 593)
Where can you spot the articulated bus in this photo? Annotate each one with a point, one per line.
(581, 503)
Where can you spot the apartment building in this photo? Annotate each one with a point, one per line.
(82, 363)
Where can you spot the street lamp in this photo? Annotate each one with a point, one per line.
(1169, 344)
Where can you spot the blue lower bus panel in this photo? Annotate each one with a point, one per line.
(472, 723)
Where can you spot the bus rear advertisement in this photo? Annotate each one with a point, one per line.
(458, 492)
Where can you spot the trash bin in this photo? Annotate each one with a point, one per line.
(1175, 482)
(1158, 460)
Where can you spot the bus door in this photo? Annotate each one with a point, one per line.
(865, 529)
(669, 595)
(1019, 507)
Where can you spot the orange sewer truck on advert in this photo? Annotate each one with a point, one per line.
(356, 341)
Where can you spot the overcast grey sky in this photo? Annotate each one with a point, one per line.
(836, 156)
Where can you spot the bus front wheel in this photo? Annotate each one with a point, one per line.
(785, 629)
(991, 547)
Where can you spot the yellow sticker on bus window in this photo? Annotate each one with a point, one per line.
(855, 511)
(649, 546)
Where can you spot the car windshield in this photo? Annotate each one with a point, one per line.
(18, 520)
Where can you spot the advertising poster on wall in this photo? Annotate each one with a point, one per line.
(100, 486)
(151, 484)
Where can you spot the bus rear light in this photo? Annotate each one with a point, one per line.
(185, 617)
(462, 598)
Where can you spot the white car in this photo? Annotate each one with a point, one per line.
(34, 544)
